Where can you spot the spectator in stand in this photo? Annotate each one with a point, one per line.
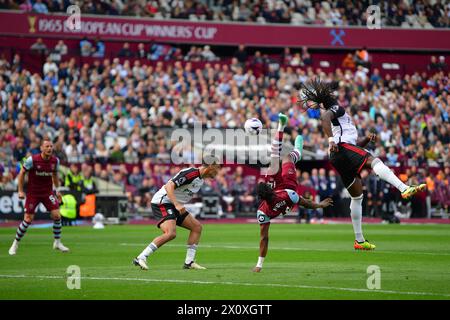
(442, 65)
(433, 65)
(311, 215)
(349, 62)
(40, 7)
(20, 150)
(374, 187)
(136, 178)
(193, 55)
(73, 178)
(306, 57)
(296, 60)
(98, 49)
(130, 155)
(50, 66)
(362, 58)
(314, 179)
(241, 54)
(286, 57)
(85, 47)
(61, 48)
(208, 55)
(39, 46)
(87, 183)
(392, 158)
(125, 52)
(141, 52)
(336, 186)
(25, 6)
(324, 188)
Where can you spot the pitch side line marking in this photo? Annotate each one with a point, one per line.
(281, 248)
(236, 284)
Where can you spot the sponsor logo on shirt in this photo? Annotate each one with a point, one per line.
(44, 173)
(279, 205)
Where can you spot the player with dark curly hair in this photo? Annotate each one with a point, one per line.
(279, 193)
(347, 153)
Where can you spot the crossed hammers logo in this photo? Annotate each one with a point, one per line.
(337, 37)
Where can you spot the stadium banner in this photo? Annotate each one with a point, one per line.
(11, 207)
(180, 31)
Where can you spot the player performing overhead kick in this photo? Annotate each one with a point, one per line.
(347, 154)
(279, 194)
(42, 171)
(168, 206)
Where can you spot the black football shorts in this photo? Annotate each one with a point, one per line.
(349, 161)
(167, 211)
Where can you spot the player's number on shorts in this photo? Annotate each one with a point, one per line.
(52, 199)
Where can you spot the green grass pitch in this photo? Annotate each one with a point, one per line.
(304, 262)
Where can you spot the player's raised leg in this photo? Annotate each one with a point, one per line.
(195, 227)
(296, 154)
(277, 144)
(169, 229)
(383, 171)
(356, 193)
(57, 228)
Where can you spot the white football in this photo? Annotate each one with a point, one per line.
(253, 126)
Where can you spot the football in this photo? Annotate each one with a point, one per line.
(253, 126)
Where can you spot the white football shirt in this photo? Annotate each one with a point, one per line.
(187, 183)
(342, 126)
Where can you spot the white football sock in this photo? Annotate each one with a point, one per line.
(356, 214)
(387, 175)
(190, 254)
(148, 251)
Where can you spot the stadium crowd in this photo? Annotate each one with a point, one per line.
(117, 114)
(412, 13)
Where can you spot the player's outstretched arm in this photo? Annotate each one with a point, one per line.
(372, 137)
(314, 205)
(263, 246)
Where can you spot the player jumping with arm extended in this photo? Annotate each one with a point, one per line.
(347, 154)
(279, 194)
(42, 172)
(168, 206)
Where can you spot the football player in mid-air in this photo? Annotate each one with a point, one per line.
(279, 193)
(346, 152)
(168, 206)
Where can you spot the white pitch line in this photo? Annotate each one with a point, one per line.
(284, 248)
(279, 285)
